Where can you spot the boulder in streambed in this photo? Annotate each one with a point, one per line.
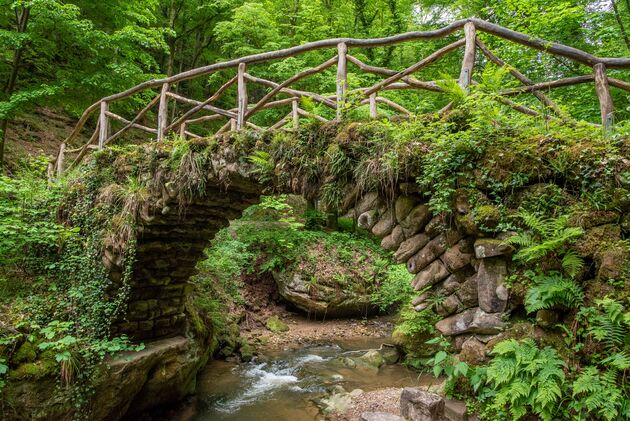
(332, 278)
(372, 358)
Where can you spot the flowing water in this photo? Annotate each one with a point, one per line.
(286, 385)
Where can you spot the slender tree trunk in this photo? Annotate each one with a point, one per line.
(620, 22)
(22, 16)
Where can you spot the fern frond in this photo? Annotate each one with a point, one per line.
(572, 263)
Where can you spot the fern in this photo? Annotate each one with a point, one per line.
(543, 237)
(264, 165)
(552, 290)
(525, 379)
(609, 323)
(598, 393)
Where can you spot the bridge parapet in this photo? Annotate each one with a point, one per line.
(238, 117)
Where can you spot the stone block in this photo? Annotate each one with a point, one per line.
(492, 293)
(393, 240)
(369, 201)
(455, 259)
(432, 250)
(473, 320)
(449, 306)
(385, 224)
(416, 220)
(467, 292)
(437, 225)
(410, 247)
(430, 275)
(489, 247)
(419, 405)
(403, 206)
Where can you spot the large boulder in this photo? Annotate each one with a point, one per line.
(127, 385)
(323, 298)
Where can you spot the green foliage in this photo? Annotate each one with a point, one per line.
(395, 289)
(411, 322)
(551, 290)
(30, 235)
(545, 237)
(608, 323)
(525, 379)
(601, 387)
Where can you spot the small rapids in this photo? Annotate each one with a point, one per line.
(288, 384)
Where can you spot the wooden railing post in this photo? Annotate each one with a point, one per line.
(296, 113)
(373, 106)
(163, 113)
(465, 76)
(182, 130)
(342, 78)
(242, 97)
(60, 159)
(103, 133)
(603, 93)
(233, 124)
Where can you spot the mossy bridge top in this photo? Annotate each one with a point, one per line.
(237, 118)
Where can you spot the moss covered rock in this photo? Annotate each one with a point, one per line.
(276, 325)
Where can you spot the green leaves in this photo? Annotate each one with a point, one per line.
(526, 378)
(544, 237)
(551, 290)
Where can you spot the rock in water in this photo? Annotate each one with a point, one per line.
(373, 358)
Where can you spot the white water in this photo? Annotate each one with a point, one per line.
(286, 386)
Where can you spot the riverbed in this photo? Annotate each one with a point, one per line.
(293, 384)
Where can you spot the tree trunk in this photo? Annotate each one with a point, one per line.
(621, 25)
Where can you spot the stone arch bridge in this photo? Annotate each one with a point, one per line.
(467, 271)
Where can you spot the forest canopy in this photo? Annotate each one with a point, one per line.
(70, 54)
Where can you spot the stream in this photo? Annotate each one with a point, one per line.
(285, 385)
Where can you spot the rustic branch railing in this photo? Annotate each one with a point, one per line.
(237, 118)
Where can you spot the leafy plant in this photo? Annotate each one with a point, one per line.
(395, 289)
(544, 237)
(524, 379)
(551, 290)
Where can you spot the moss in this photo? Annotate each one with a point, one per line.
(34, 370)
(246, 350)
(597, 238)
(25, 353)
(487, 217)
(276, 325)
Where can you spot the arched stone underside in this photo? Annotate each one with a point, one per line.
(172, 231)
(169, 246)
(457, 271)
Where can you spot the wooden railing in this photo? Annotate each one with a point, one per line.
(238, 117)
